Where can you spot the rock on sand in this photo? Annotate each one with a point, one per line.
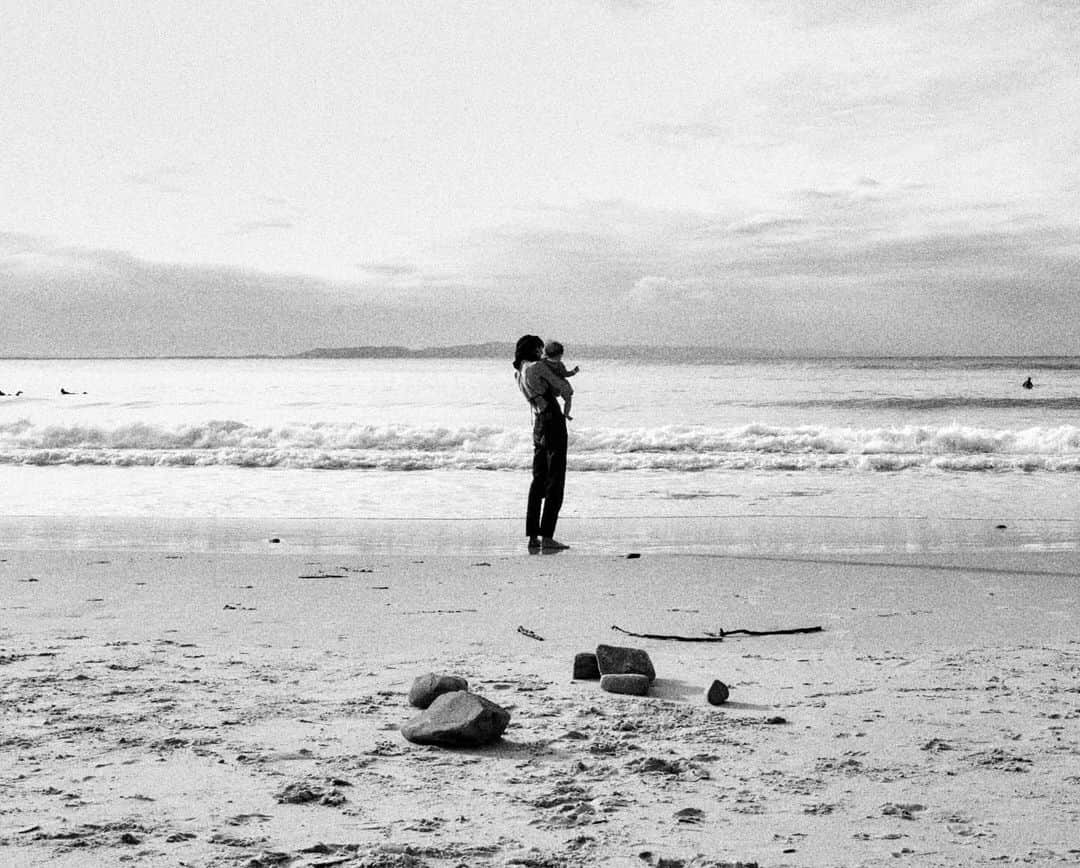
(426, 688)
(633, 685)
(615, 660)
(585, 667)
(458, 719)
(718, 693)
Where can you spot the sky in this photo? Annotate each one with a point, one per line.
(770, 176)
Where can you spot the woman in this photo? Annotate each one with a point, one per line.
(541, 387)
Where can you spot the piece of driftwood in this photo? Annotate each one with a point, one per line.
(718, 636)
(526, 632)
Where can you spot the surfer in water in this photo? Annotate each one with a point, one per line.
(1027, 384)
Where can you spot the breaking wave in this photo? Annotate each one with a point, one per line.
(331, 445)
(915, 404)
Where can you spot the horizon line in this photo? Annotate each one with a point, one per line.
(403, 351)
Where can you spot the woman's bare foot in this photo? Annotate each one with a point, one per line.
(552, 543)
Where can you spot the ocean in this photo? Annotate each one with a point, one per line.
(784, 455)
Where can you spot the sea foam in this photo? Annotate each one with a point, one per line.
(338, 445)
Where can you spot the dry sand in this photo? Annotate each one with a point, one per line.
(157, 709)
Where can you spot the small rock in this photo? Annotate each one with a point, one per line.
(690, 815)
(333, 799)
(128, 838)
(676, 768)
(270, 859)
(654, 861)
(177, 837)
(299, 793)
(937, 744)
(903, 811)
(631, 684)
(426, 688)
(458, 719)
(586, 667)
(776, 721)
(614, 660)
(718, 693)
(274, 539)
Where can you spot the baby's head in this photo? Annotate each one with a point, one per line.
(553, 350)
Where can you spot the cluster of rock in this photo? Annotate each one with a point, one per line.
(302, 792)
(451, 715)
(629, 671)
(620, 670)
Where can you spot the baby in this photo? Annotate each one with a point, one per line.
(553, 353)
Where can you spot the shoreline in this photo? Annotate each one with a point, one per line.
(748, 535)
(158, 704)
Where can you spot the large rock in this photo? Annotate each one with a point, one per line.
(717, 693)
(632, 685)
(458, 719)
(614, 660)
(427, 687)
(585, 667)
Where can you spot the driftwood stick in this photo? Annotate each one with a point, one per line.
(771, 632)
(719, 636)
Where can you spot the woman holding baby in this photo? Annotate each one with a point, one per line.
(543, 383)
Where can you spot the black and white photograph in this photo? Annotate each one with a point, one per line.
(617, 433)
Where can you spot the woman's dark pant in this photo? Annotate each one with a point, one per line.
(548, 473)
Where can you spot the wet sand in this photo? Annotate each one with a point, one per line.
(166, 707)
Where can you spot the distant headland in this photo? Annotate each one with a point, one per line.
(505, 350)
(462, 351)
(688, 355)
(632, 352)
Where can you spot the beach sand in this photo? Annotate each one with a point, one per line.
(165, 708)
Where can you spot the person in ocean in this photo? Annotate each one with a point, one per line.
(553, 353)
(542, 388)
(1027, 384)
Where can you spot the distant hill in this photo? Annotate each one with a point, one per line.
(499, 350)
(464, 351)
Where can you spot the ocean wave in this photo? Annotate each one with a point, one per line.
(333, 445)
(909, 404)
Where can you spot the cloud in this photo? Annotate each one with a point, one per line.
(821, 273)
(630, 5)
(95, 302)
(166, 178)
(689, 131)
(742, 129)
(253, 226)
(856, 267)
(760, 224)
(61, 301)
(384, 270)
(649, 290)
